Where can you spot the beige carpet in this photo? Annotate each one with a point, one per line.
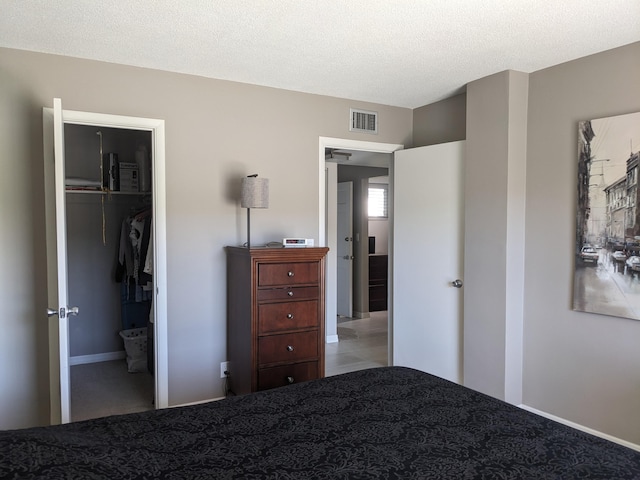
(106, 388)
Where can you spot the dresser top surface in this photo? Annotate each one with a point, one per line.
(280, 253)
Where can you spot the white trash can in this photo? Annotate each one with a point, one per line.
(135, 346)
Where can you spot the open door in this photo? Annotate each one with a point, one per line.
(57, 284)
(55, 206)
(427, 260)
(345, 249)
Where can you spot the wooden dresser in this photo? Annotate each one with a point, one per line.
(275, 316)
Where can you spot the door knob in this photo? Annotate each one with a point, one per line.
(348, 239)
(348, 257)
(457, 283)
(63, 312)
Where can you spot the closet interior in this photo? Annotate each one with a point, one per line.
(110, 269)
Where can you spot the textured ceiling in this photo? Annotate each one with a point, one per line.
(405, 53)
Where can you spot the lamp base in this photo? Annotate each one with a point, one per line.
(248, 228)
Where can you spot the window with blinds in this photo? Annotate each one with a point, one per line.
(378, 201)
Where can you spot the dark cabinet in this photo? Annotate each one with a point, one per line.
(378, 275)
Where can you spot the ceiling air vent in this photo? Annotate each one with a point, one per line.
(363, 121)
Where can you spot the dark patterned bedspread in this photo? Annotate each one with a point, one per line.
(386, 423)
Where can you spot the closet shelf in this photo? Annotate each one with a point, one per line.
(103, 192)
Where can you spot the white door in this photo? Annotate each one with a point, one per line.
(428, 241)
(56, 263)
(53, 139)
(345, 249)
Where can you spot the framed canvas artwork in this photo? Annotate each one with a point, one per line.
(607, 243)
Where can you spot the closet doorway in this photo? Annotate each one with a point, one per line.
(105, 202)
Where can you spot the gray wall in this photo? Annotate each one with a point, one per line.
(443, 121)
(579, 366)
(216, 132)
(92, 287)
(24, 369)
(494, 229)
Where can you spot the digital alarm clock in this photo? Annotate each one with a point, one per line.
(297, 242)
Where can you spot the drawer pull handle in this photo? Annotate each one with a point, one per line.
(289, 316)
(290, 274)
(290, 380)
(289, 348)
(290, 293)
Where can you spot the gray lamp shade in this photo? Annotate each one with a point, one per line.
(255, 192)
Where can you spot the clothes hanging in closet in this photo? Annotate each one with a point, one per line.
(134, 269)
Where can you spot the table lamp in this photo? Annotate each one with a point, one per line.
(255, 194)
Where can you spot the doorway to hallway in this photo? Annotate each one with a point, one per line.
(362, 344)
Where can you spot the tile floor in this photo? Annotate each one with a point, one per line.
(362, 344)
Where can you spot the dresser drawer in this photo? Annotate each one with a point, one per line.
(276, 317)
(293, 293)
(288, 347)
(294, 273)
(287, 374)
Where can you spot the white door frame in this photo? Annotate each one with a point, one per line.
(157, 129)
(324, 235)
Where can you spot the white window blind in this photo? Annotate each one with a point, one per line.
(378, 202)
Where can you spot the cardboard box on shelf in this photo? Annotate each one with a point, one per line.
(128, 177)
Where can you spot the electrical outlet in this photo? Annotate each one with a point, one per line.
(224, 367)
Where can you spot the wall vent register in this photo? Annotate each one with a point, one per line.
(363, 121)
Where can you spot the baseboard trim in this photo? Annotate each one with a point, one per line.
(197, 402)
(96, 357)
(332, 338)
(577, 426)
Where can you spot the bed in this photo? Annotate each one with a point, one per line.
(389, 422)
